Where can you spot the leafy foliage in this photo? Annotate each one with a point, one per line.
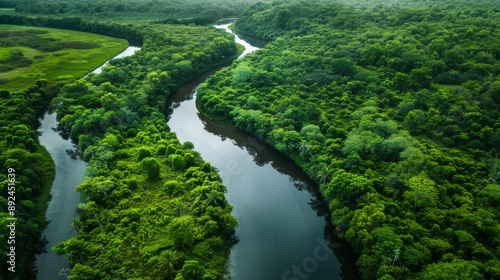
(34, 172)
(395, 103)
(169, 11)
(152, 208)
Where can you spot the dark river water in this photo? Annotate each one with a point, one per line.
(281, 228)
(64, 197)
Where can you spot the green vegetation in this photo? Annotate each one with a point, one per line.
(47, 167)
(394, 110)
(167, 11)
(112, 28)
(151, 208)
(34, 173)
(28, 54)
(189, 235)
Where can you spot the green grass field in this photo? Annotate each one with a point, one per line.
(60, 56)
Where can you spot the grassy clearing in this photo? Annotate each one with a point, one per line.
(60, 56)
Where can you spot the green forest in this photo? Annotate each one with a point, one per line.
(394, 111)
(153, 209)
(33, 170)
(171, 11)
(391, 107)
(27, 56)
(150, 207)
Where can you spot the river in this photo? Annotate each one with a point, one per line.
(64, 198)
(281, 227)
(280, 235)
(127, 52)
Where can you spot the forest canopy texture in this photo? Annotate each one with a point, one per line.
(393, 108)
(150, 208)
(172, 11)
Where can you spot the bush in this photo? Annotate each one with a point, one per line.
(151, 168)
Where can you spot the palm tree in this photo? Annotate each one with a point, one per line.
(305, 147)
(76, 248)
(168, 259)
(323, 175)
(69, 256)
(77, 225)
(367, 199)
(73, 252)
(215, 199)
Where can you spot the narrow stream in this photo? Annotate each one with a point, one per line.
(64, 197)
(281, 231)
(127, 52)
(61, 209)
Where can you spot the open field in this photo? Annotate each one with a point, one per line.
(60, 56)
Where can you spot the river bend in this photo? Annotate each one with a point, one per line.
(281, 229)
(280, 235)
(64, 198)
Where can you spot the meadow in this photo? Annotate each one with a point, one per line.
(59, 56)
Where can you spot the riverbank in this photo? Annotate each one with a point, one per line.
(63, 197)
(58, 56)
(24, 99)
(337, 93)
(258, 179)
(48, 170)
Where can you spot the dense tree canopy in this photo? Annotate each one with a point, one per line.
(117, 120)
(33, 172)
(171, 11)
(393, 109)
(152, 208)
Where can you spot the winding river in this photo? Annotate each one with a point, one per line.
(64, 198)
(281, 235)
(281, 227)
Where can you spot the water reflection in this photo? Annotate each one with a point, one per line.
(282, 220)
(64, 197)
(273, 199)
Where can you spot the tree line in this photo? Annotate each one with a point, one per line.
(76, 23)
(171, 11)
